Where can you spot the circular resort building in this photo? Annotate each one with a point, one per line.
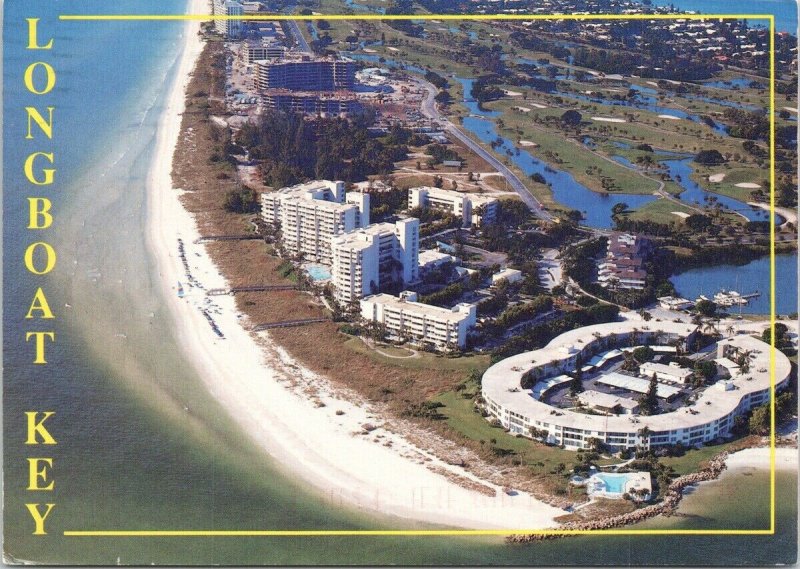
(529, 393)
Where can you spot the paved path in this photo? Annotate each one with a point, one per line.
(429, 109)
(371, 345)
(294, 29)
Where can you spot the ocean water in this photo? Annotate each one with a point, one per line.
(142, 444)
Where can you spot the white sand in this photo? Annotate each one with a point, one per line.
(608, 119)
(369, 50)
(538, 105)
(510, 93)
(307, 441)
(670, 117)
(716, 178)
(681, 214)
(392, 49)
(653, 83)
(523, 109)
(791, 109)
(527, 143)
(785, 458)
(750, 185)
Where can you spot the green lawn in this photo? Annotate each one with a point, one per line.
(690, 462)
(425, 360)
(733, 175)
(660, 211)
(586, 166)
(540, 457)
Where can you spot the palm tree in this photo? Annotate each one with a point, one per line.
(710, 328)
(730, 330)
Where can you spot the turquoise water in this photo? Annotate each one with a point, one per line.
(614, 483)
(142, 443)
(318, 272)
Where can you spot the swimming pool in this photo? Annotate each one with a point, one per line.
(318, 272)
(613, 483)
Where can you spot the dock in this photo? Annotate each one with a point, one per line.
(288, 324)
(244, 237)
(251, 288)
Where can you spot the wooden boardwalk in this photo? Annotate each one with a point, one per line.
(251, 288)
(288, 324)
(245, 237)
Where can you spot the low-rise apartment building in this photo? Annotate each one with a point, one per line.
(473, 209)
(672, 373)
(424, 324)
(374, 256)
(254, 51)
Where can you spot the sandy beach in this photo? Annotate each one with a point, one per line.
(785, 459)
(300, 419)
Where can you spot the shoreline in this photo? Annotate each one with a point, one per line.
(374, 471)
(717, 469)
(312, 429)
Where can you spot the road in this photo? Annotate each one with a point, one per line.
(294, 29)
(429, 109)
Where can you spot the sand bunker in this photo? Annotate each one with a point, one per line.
(527, 143)
(716, 178)
(750, 185)
(681, 214)
(523, 109)
(608, 119)
(512, 93)
(669, 117)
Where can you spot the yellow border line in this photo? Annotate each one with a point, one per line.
(503, 532)
(772, 275)
(323, 533)
(523, 17)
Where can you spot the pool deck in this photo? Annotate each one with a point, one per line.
(633, 481)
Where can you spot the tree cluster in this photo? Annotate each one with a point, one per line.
(292, 149)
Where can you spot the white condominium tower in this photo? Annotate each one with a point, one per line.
(366, 259)
(228, 28)
(311, 214)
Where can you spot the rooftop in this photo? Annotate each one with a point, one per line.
(453, 315)
(502, 381)
(606, 400)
